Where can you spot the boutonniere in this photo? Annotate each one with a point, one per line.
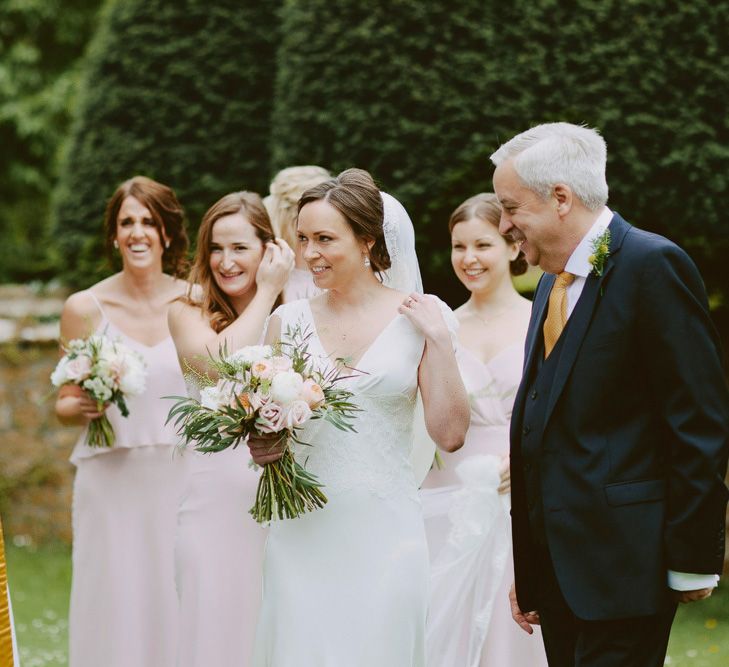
(600, 252)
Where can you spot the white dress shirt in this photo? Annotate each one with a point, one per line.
(579, 265)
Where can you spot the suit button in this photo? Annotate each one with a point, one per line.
(534, 395)
(526, 429)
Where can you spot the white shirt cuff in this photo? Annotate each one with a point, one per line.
(683, 581)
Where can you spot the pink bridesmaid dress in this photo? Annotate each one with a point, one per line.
(469, 532)
(219, 558)
(124, 608)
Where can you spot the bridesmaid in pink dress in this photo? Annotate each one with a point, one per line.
(282, 205)
(238, 273)
(123, 600)
(466, 499)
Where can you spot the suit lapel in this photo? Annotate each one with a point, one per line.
(539, 312)
(582, 315)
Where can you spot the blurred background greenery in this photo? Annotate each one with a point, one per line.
(214, 96)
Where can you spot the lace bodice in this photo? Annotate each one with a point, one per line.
(377, 456)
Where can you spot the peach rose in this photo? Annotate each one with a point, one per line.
(312, 393)
(263, 369)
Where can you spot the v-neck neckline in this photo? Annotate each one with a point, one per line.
(351, 365)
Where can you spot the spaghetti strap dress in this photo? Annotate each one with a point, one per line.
(124, 608)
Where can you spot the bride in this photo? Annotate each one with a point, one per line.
(348, 584)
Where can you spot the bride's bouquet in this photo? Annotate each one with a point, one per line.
(106, 370)
(266, 389)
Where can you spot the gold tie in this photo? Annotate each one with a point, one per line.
(557, 311)
(6, 640)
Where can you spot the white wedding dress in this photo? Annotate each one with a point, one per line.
(347, 585)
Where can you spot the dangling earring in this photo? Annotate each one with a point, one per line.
(116, 244)
(167, 245)
(367, 262)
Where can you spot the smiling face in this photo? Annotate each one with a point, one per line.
(480, 255)
(138, 236)
(332, 251)
(235, 253)
(531, 220)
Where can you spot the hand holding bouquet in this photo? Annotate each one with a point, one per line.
(262, 390)
(108, 372)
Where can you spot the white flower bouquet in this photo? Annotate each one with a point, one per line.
(106, 370)
(264, 389)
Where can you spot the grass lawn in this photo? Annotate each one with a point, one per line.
(40, 580)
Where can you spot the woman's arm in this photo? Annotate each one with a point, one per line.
(79, 319)
(445, 402)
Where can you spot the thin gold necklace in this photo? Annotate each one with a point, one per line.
(493, 318)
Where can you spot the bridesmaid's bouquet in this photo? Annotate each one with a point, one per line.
(266, 389)
(106, 370)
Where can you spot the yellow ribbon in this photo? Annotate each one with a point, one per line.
(6, 639)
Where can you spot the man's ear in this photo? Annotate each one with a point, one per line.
(564, 198)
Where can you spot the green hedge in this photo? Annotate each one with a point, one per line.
(421, 93)
(177, 90)
(41, 43)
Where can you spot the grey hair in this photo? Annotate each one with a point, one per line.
(559, 153)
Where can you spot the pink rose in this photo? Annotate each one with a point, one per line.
(312, 393)
(298, 415)
(271, 418)
(78, 369)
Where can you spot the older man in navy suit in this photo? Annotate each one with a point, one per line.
(620, 429)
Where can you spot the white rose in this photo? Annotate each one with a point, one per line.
(210, 398)
(250, 354)
(133, 380)
(286, 387)
(298, 415)
(60, 376)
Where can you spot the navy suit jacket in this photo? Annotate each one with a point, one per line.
(633, 453)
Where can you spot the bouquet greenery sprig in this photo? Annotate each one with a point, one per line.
(266, 389)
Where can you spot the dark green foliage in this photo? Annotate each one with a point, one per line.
(179, 91)
(421, 94)
(40, 45)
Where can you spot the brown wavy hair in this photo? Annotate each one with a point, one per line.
(213, 301)
(485, 206)
(354, 194)
(167, 214)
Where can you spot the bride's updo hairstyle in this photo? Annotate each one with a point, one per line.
(485, 207)
(354, 194)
